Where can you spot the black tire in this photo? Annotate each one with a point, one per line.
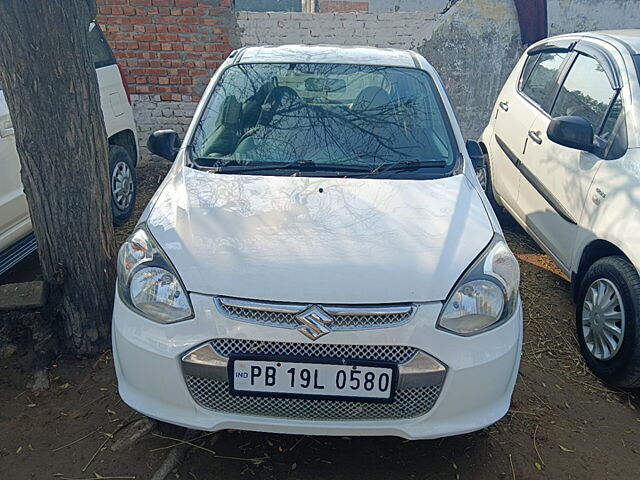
(622, 369)
(124, 202)
(489, 186)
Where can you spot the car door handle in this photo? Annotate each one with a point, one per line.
(504, 106)
(535, 137)
(7, 131)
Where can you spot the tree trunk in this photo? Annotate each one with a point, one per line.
(52, 91)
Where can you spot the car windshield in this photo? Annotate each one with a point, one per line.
(636, 58)
(325, 119)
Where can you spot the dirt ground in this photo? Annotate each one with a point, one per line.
(563, 422)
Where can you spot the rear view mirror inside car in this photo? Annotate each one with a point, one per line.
(315, 84)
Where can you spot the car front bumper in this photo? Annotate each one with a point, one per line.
(476, 392)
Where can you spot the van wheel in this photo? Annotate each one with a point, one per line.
(123, 184)
(608, 321)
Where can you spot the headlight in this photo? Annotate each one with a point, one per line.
(486, 294)
(148, 283)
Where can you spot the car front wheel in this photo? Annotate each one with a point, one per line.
(608, 321)
(123, 184)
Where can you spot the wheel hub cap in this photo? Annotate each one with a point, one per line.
(121, 186)
(603, 319)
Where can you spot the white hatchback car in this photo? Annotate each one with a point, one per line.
(16, 236)
(563, 151)
(321, 258)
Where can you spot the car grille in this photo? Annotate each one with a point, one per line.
(213, 394)
(389, 353)
(344, 317)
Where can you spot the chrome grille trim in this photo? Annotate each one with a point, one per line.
(214, 395)
(346, 317)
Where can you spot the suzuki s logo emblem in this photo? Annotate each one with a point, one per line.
(314, 322)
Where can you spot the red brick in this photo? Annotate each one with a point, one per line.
(329, 6)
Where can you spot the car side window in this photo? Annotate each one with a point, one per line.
(99, 48)
(586, 92)
(531, 62)
(542, 76)
(612, 138)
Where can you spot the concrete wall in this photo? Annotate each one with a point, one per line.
(566, 16)
(407, 5)
(170, 48)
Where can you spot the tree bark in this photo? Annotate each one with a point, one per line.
(52, 92)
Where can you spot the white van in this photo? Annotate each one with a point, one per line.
(321, 258)
(16, 235)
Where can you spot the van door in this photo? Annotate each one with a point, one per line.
(557, 179)
(14, 212)
(517, 109)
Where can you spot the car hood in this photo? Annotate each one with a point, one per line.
(319, 240)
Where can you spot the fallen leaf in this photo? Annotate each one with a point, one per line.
(565, 449)
(19, 449)
(31, 405)
(538, 466)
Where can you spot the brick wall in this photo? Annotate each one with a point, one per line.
(398, 30)
(330, 6)
(169, 49)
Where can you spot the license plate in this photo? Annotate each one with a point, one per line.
(363, 381)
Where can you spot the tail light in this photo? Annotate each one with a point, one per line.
(125, 83)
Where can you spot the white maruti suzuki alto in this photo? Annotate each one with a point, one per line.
(320, 259)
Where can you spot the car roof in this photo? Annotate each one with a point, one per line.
(328, 54)
(631, 38)
(622, 39)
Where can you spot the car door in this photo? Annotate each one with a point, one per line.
(557, 179)
(14, 212)
(518, 105)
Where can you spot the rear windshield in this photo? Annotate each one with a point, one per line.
(99, 48)
(325, 119)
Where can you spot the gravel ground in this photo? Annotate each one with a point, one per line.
(563, 422)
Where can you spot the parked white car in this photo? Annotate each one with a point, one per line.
(320, 259)
(563, 149)
(16, 234)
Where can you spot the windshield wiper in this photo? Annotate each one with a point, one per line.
(300, 165)
(405, 165)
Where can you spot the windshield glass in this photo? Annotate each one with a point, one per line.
(332, 120)
(637, 60)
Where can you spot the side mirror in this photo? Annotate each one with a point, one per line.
(476, 154)
(164, 143)
(572, 132)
